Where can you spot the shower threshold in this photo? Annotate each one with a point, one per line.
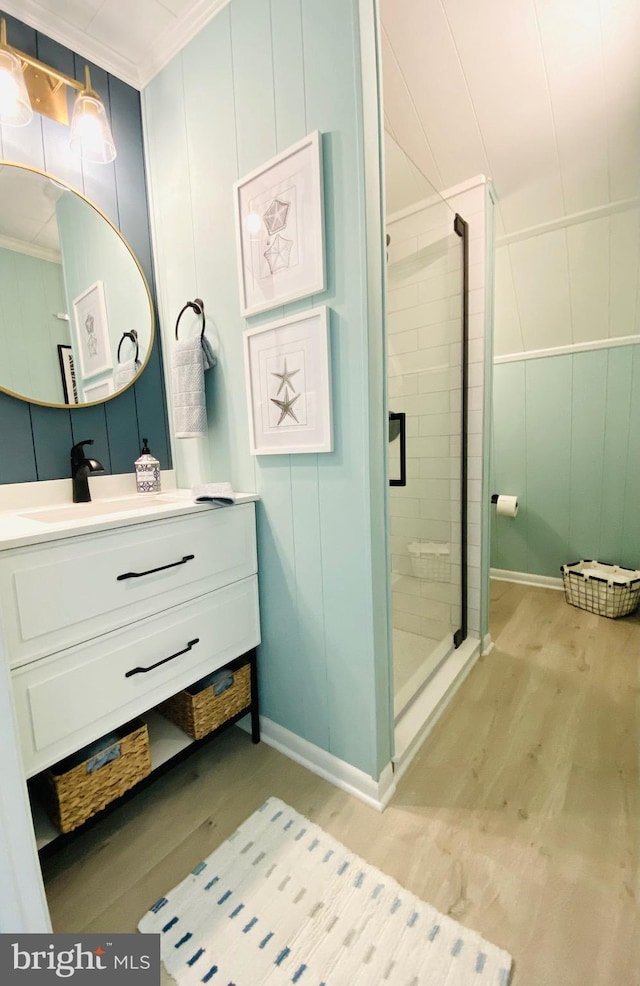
(415, 660)
(421, 715)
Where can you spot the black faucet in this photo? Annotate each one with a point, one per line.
(81, 466)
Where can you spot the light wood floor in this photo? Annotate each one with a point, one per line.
(518, 817)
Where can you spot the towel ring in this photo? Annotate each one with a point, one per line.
(198, 307)
(133, 335)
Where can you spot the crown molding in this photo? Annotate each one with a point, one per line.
(135, 73)
(32, 13)
(174, 38)
(30, 249)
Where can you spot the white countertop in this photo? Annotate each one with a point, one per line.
(31, 516)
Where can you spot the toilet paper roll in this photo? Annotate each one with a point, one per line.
(507, 506)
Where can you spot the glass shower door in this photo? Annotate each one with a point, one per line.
(426, 359)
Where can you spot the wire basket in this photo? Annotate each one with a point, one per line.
(600, 588)
(430, 560)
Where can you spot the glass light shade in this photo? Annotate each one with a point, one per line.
(90, 131)
(15, 105)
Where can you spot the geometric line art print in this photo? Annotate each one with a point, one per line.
(92, 339)
(275, 218)
(279, 224)
(278, 254)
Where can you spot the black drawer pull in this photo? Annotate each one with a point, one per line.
(164, 660)
(138, 575)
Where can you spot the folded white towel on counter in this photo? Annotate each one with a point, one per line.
(191, 358)
(220, 494)
(125, 372)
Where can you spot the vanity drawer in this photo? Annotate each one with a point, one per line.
(65, 702)
(71, 590)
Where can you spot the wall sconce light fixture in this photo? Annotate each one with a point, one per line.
(27, 85)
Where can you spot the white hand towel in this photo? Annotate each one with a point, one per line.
(208, 355)
(190, 359)
(126, 372)
(218, 494)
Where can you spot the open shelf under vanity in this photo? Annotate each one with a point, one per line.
(169, 745)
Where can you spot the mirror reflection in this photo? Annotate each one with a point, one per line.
(76, 322)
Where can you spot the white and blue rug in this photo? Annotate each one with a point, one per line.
(282, 902)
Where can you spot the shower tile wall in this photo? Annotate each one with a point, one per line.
(424, 377)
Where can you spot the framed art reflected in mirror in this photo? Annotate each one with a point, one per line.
(92, 331)
(98, 391)
(68, 374)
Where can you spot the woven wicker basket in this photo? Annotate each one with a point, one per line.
(76, 789)
(210, 702)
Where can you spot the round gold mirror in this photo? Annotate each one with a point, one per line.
(76, 319)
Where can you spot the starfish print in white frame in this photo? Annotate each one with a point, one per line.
(285, 377)
(286, 406)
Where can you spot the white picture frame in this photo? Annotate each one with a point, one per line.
(67, 374)
(92, 342)
(288, 382)
(98, 391)
(279, 220)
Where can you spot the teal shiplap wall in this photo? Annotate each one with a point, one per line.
(566, 439)
(257, 78)
(35, 440)
(31, 292)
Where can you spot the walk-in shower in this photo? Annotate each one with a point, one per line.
(426, 363)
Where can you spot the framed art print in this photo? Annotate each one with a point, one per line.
(98, 391)
(280, 228)
(287, 371)
(68, 374)
(92, 331)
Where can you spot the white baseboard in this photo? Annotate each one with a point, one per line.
(410, 733)
(377, 794)
(487, 645)
(420, 718)
(526, 578)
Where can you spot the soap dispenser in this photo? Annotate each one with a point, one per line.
(147, 471)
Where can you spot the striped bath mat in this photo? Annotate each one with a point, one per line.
(282, 902)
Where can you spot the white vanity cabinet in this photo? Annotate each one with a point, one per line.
(100, 627)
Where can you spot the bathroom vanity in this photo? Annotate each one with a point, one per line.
(108, 611)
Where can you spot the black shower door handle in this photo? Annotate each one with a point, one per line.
(398, 427)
